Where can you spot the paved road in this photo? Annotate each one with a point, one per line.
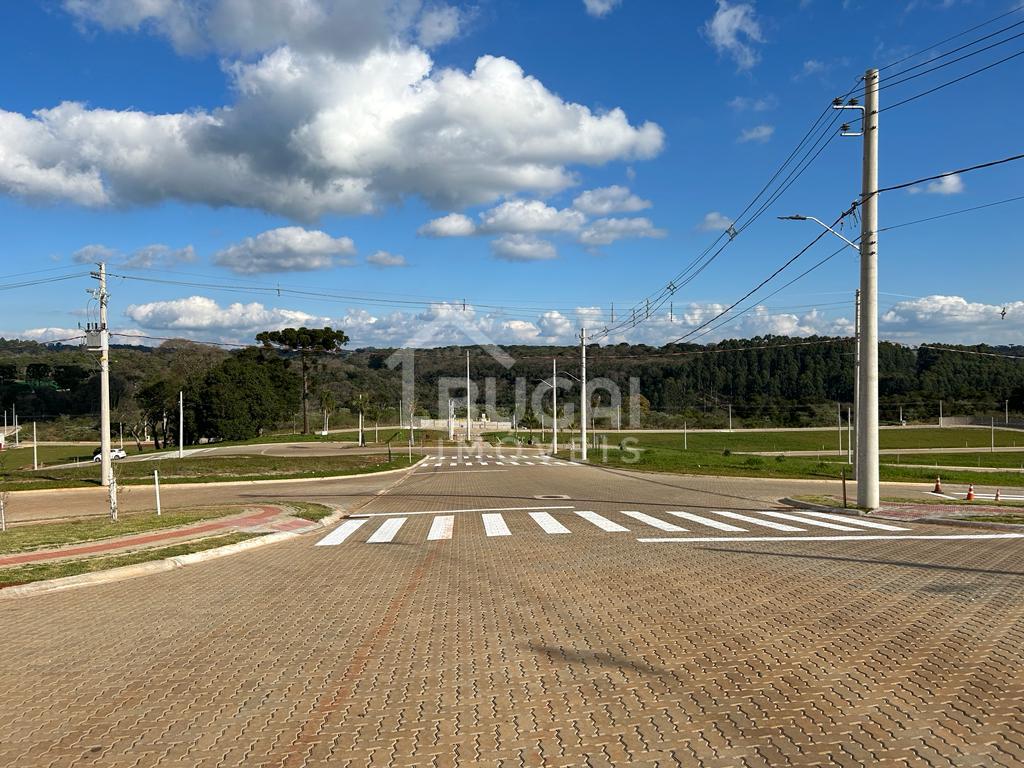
(539, 615)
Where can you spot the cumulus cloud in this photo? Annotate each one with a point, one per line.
(200, 313)
(947, 185)
(523, 247)
(734, 30)
(310, 134)
(759, 133)
(810, 67)
(953, 319)
(599, 8)
(607, 231)
(606, 200)
(525, 216)
(715, 222)
(345, 28)
(157, 255)
(385, 259)
(286, 249)
(93, 254)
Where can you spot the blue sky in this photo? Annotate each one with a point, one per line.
(539, 161)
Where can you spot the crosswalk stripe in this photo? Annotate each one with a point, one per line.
(454, 464)
(441, 527)
(806, 521)
(500, 463)
(514, 463)
(708, 522)
(483, 463)
(653, 521)
(548, 523)
(494, 525)
(340, 533)
(601, 522)
(756, 521)
(528, 463)
(387, 530)
(854, 521)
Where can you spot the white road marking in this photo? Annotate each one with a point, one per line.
(653, 521)
(387, 531)
(494, 525)
(859, 537)
(548, 523)
(756, 521)
(514, 463)
(441, 528)
(708, 522)
(805, 521)
(483, 463)
(528, 463)
(500, 463)
(450, 511)
(601, 522)
(854, 521)
(454, 464)
(340, 533)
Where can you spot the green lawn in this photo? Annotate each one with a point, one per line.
(23, 538)
(1006, 459)
(738, 465)
(24, 574)
(210, 468)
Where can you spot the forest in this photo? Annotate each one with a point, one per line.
(237, 394)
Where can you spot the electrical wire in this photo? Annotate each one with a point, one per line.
(952, 82)
(957, 172)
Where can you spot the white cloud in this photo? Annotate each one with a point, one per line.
(452, 225)
(310, 134)
(286, 249)
(734, 29)
(607, 231)
(759, 133)
(438, 25)
(525, 216)
(715, 222)
(200, 313)
(599, 8)
(752, 104)
(521, 247)
(157, 255)
(345, 28)
(947, 185)
(810, 67)
(606, 200)
(953, 319)
(93, 254)
(385, 259)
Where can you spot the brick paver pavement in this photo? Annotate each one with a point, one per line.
(533, 649)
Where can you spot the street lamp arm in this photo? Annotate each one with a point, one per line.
(799, 217)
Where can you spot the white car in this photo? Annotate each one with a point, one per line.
(115, 453)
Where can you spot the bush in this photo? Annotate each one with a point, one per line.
(780, 458)
(727, 452)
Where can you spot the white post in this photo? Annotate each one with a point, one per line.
(686, 445)
(14, 418)
(867, 440)
(156, 488)
(993, 448)
(583, 393)
(120, 435)
(35, 446)
(181, 424)
(849, 437)
(112, 490)
(730, 417)
(940, 413)
(839, 425)
(3, 515)
(856, 371)
(1007, 405)
(554, 406)
(106, 471)
(469, 405)
(618, 418)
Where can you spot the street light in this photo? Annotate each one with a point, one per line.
(799, 217)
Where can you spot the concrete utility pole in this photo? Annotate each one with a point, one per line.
(583, 392)
(181, 424)
(867, 438)
(856, 369)
(469, 402)
(554, 406)
(105, 467)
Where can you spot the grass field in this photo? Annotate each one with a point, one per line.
(1013, 460)
(662, 459)
(209, 468)
(25, 574)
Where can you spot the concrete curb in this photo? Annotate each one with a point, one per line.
(166, 564)
(929, 520)
(224, 484)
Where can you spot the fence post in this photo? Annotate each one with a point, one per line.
(156, 487)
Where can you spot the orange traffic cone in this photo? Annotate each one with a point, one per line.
(997, 494)
(970, 492)
(938, 485)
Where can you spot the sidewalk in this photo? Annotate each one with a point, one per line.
(265, 519)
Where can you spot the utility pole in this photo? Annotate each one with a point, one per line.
(583, 392)
(849, 437)
(554, 406)
(104, 349)
(867, 438)
(856, 368)
(469, 401)
(181, 424)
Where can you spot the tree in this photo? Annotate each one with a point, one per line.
(308, 343)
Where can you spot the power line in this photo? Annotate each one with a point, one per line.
(952, 213)
(957, 172)
(952, 82)
(969, 352)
